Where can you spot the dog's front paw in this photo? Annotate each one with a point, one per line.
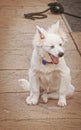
(32, 101)
(44, 98)
(62, 102)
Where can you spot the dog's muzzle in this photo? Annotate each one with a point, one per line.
(60, 54)
(54, 59)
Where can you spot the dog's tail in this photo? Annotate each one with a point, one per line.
(24, 84)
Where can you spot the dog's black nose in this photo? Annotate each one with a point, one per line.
(60, 54)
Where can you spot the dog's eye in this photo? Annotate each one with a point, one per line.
(60, 44)
(52, 47)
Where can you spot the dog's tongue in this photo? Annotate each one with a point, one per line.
(55, 60)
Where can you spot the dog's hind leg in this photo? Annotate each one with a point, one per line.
(55, 95)
(46, 96)
(70, 91)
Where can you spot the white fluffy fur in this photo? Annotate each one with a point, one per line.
(43, 75)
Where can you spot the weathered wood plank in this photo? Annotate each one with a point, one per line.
(77, 39)
(21, 3)
(9, 80)
(15, 11)
(73, 60)
(15, 41)
(14, 107)
(13, 59)
(48, 124)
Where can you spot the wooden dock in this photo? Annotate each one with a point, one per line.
(16, 34)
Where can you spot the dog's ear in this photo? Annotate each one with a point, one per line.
(57, 29)
(64, 36)
(39, 36)
(42, 32)
(54, 28)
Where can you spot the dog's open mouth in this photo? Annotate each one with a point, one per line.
(54, 59)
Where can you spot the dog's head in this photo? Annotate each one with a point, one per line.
(51, 41)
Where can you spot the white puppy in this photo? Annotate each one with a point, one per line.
(48, 58)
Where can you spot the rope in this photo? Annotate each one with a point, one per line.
(55, 8)
(76, 16)
(38, 15)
